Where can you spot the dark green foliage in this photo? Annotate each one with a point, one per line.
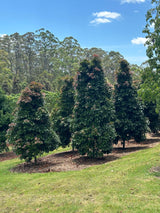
(153, 116)
(31, 132)
(5, 119)
(130, 120)
(93, 111)
(63, 116)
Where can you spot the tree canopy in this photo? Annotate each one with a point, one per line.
(150, 87)
(40, 56)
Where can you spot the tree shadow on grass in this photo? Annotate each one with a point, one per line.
(84, 160)
(128, 149)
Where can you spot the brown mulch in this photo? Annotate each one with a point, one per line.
(7, 156)
(69, 161)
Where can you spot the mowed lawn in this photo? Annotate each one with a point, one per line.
(124, 185)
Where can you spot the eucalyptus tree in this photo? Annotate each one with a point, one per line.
(17, 43)
(29, 48)
(111, 64)
(47, 49)
(70, 54)
(5, 72)
(7, 45)
(88, 53)
(150, 88)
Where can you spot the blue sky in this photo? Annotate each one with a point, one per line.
(108, 24)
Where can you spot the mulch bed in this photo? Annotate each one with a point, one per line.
(69, 161)
(7, 156)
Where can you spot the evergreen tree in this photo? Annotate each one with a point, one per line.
(5, 119)
(62, 118)
(31, 132)
(130, 120)
(93, 111)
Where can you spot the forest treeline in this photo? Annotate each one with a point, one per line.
(40, 56)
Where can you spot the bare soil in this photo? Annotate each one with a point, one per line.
(67, 161)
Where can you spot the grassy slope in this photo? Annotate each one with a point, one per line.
(125, 185)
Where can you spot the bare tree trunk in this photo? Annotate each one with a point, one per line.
(124, 144)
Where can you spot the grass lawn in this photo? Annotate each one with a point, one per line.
(124, 185)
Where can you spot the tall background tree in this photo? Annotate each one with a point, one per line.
(40, 56)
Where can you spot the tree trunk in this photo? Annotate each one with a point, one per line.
(124, 144)
(35, 160)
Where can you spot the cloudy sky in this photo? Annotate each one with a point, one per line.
(108, 24)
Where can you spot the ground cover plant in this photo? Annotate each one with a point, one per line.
(124, 185)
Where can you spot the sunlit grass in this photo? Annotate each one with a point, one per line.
(124, 185)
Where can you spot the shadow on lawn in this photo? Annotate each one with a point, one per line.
(128, 149)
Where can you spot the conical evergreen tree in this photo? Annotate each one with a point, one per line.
(129, 112)
(62, 118)
(93, 112)
(31, 132)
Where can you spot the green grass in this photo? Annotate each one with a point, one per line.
(122, 186)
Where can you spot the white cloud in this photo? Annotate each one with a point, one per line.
(2, 35)
(104, 17)
(139, 40)
(106, 14)
(132, 1)
(100, 21)
(136, 11)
